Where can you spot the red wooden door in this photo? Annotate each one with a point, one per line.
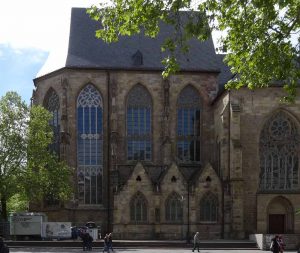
(276, 223)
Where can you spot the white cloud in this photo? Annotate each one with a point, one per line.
(35, 23)
(39, 25)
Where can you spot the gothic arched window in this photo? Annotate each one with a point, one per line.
(138, 208)
(174, 211)
(52, 105)
(279, 154)
(89, 145)
(139, 132)
(209, 208)
(188, 125)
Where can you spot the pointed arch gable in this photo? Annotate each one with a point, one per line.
(188, 125)
(139, 95)
(170, 171)
(89, 95)
(139, 124)
(138, 208)
(174, 207)
(52, 104)
(279, 146)
(280, 209)
(189, 96)
(90, 145)
(209, 207)
(51, 99)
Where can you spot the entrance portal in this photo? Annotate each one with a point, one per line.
(276, 223)
(280, 216)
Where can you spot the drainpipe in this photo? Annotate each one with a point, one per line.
(188, 212)
(227, 180)
(108, 151)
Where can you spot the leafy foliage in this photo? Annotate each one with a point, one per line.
(261, 40)
(46, 174)
(13, 122)
(28, 171)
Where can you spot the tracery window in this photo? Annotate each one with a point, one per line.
(188, 125)
(138, 208)
(279, 154)
(209, 208)
(90, 145)
(52, 105)
(139, 132)
(174, 211)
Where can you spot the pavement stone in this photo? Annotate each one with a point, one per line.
(133, 250)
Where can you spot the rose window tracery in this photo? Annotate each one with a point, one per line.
(279, 154)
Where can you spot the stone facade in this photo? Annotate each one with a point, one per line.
(232, 170)
(230, 130)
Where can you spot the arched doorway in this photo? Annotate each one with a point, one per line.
(280, 216)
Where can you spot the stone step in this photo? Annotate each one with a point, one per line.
(214, 244)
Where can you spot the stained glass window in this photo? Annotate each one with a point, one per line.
(139, 133)
(89, 145)
(52, 105)
(209, 208)
(138, 208)
(174, 208)
(279, 154)
(188, 125)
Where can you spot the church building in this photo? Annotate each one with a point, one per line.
(158, 158)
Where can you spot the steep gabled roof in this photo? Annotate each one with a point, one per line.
(86, 51)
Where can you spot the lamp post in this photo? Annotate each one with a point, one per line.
(188, 213)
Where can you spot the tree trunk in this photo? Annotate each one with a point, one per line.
(4, 209)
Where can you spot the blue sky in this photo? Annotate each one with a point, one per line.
(30, 31)
(18, 68)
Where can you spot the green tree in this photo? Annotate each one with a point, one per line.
(46, 175)
(14, 115)
(261, 37)
(28, 170)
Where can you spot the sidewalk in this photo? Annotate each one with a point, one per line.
(205, 244)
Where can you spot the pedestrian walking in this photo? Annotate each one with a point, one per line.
(105, 246)
(85, 240)
(275, 246)
(110, 242)
(89, 242)
(196, 241)
(281, 243)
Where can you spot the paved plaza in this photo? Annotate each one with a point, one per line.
(133, 250)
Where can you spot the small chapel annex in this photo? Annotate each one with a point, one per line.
(161, 159)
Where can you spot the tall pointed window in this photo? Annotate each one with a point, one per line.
(188, 125)
(52, 105)
(89, 145)
(174, 211)
(138, 208)
(279, 154)
(209, 208)
(139, 133)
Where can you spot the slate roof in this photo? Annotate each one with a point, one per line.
(225, 74)
(85, 51)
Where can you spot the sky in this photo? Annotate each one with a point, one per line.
(30, 31)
